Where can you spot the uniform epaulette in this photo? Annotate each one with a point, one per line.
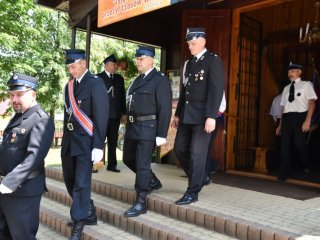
(160, 73)
(42, 113)
(214, 54)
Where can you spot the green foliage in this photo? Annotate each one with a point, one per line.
(101, 47)
(33, 40)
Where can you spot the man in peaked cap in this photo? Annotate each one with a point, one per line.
(149, 111)
(26, 142)
(117, 107)
(194, 33)
(197, 110)
(83, 137)
(297, 106)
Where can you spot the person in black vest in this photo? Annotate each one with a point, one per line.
(297, 106)
(196, 113)
(26, 142)
(117, 107)
(149, 104)
(85, 126)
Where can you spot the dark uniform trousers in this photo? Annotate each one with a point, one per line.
(24, 216)
(191, 148)
(112, 136)
(291, 131)
(77, 172)
(137, 156)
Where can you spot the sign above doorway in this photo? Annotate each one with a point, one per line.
(110, 11)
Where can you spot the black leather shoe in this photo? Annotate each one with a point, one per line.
(154, 183)
(92, 217)
(113, 169)
(136, 210)
(77, 230)
(139, 207)
(186, 199)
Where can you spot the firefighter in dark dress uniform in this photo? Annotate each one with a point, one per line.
(149, 106)
(26, 142)
(117, 107)
(197, 109)
(86, 104)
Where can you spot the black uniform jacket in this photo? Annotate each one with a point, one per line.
(26, 142)
(117, 95)
(150, 96)
(201, 96)
(92, 98)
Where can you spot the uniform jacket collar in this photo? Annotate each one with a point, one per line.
(145, 80)
(192, 64)
(83, 83)
(25, 115)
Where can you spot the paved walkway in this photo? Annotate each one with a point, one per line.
(301, 218)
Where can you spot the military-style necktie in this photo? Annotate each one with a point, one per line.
(139, 78)
(76, 84)
(111, 75)
(16, 116)
(291, 92)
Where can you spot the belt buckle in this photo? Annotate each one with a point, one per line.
(70, 126)
(131, 119)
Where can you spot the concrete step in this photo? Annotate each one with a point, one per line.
(46, 233)
(217, 222)
(147, 226)
(55, 216)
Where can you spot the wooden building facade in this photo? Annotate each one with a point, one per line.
(256, 40)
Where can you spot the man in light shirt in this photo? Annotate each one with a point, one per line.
(298, 103)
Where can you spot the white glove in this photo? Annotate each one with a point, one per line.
(96, 155)
(160, 141)
(4, 189)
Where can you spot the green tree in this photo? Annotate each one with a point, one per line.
(102, 46)
(31, 39)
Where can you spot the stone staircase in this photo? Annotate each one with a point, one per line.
(164, 219)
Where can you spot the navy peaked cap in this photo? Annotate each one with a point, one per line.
(21, 82)
(145, 51)
(111, 58)
(74, 55)
(194, 33)
(294, 66)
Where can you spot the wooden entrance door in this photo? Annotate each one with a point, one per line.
(247, 92)
(217, 23)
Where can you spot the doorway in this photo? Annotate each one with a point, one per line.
(249, 100)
